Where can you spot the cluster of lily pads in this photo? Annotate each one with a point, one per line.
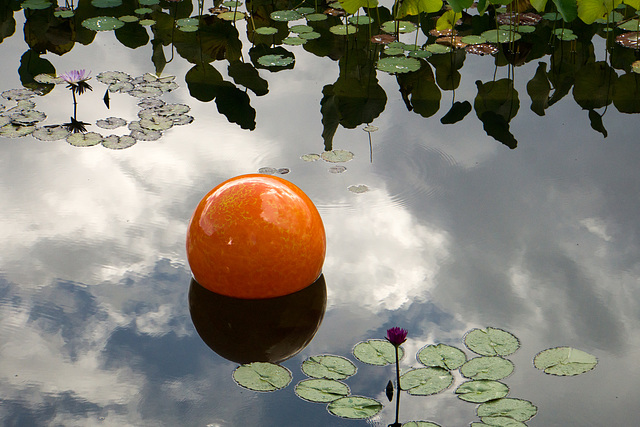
(155, 115)
(483, 373)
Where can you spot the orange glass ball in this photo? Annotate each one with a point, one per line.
(256, 236)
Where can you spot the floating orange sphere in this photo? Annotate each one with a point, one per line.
(256, 236)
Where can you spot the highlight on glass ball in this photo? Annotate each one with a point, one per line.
(256, 236)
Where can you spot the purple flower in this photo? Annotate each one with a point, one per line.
(77, 80)
(396, 336)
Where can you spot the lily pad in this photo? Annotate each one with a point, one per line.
(420, 424)
(299, 29)
(55, 133)
(183, 22)
(441, 355)
(337, 156)
(312, 157)
(266, 31)
(487, 368)
(354, 407)
(321, 390)
(359, 189)
(343, 30)
(480, 391)
(472, 39)
(129, 18)
(275, 60)
(17, 94)
(88, 139)
(106, 3)
(262, 376)
(420, 54)
(564, 361)
(499, 422)
(231, 16)
(63, 13)
(491, 342)
(143, 11)
(285, 15)
(111, 122)
(110, 77)
(360, 20)
(294, 41)
(517, 409)
(268, 170)
(501, 36)
(157, 123)
(36, 4)
(316, 17)
(377, 352)
(13, 131)
(329, 367)
(48, 79)
(337, 169)
(402, 26)
(310, 36)
(437, 48)
(27, 117)
(115, 142)
(395, 65)
(426, 381)
(102, 23)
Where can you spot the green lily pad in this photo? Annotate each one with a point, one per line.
(106, 3)
(329, 367)
(27, 117)
(635, 67)
(17, 94)
(343, 30)
(393, 51)
(88, 139)
(491, 342)
(266, 31)
(294, 41)
(49, 79)
(147, 22)
(110, 77)
(441, 355)
(420, 424)
(115, 142)
(487, 368)
(437, 48)
(231, 16)
(472, 39)
(157, 123)
(499, 422)
(564, 361)
(359, 189)
(426, 381)
(394, 65)
(501, 36)
(231, 3)
(522, 29)
(55, 133)
(285, 15)
(63, 13)
(337, 169)
(305, 10)
(420, 54)
(517, 409)
(275, 60)
(321, 390)
(310, 36)
(102, 23)
(187, 21)
(262, 376)
(377, 352)
(312, 157)
(111, 123)
(630, 25)
(337, 156)
(36, 4)
(299, 29)
(148, 2)
(13, 131)
(129, 18)
(360, 20)
(316, 17)
(354, 407)
(480, 391)
(403, 27)
(143, 11)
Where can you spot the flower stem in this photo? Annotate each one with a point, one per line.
(397, 384)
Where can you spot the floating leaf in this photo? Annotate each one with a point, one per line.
(27, 117)
(517, 409)
(115, 142)
(63, 13)
(102, 23)
(275, 60)
(110, 77)
(487, 368)
(321, 390)
(501, 36)
(329, 367)
(312, 157)
(285, 15)
(337, 156)
(299, 29)
(231, 16)
(420, 54)
(17, 94)
(48, 79)
(437, 48)
(564, 361)
(88, 139)
(343, 30)
(106, 3)
(54, 133)
(262, 376)
(111, 123)
(268, 170)
(491, 342)
(310, 36)
(36, 4)
(294, 41)
(370, 128)
(358, 189)
(360, 20)
(13, 131)
(426, 381)
(471, 39)
(402, 27)
(479, 391)
(395, 65)
(355, 407)
(316, 17)
(157, 123)
(442, 355)
(266, 31)
(337, 169)
(420, 424)
(377, 352)
(499, 422)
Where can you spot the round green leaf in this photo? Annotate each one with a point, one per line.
(471, 39)
(479, 391)
(106, 3)
(329, 367)
(299, 29)
(392, 51)
(63, 13)
(12, 131)
(305, 10)
(36, 4)
(420, 424)
(437, 48)
(441, 355)
(129, 18)
(183, 22)
(285, 15)
(312, 157)
(294, 41)
(395, 65)
(316, 17)
(500, 36)
(564, 361)
(426, 381)
(102, 23)
(275, 60)
(158, 123)
(262, 376)
(55, 133)
(337, 156)
(143, 11)
(517, 409)
(377, 352)
(360, 20)
(343, 30)
(420, 54)
(487, 368)
(359, 189)
(88, 139)
(231, 16)
(310, 36)
(499, 422)
(321, 390)
(115, 142)
(354, 407)
(491, 342)
(266, 31)
(403, 27)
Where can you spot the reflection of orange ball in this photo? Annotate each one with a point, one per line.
(256, 236)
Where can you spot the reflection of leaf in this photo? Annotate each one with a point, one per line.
(457, 112)
(491, 342)
(354, 407)
(329, 367)
(447, 75)
(321, 390)
(246, 75)
(132, 35)
(538, 89)
(425, 381)
(203, 82)
(377, 352)
(496, 104)
(498, 128)
(593, 85)
(262, 376)
(442, 355)
(596, 122)
(479, 391)
(564, 361)
(517, 409)
(31, 64)
(626, 93)
(419, 91)
(236, 106)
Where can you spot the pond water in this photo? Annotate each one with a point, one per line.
(518, 218)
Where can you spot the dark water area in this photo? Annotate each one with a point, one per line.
(441, 222)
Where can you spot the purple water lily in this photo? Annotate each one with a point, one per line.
(396, 336)
(77, 80)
